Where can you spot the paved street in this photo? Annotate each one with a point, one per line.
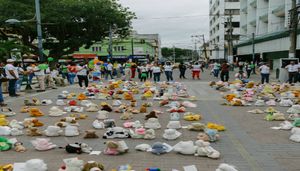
(248, 142)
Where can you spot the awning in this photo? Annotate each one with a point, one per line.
(80, 56)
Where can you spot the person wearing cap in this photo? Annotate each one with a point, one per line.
(12, 75)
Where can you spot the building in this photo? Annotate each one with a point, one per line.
(220, 11)
(154, 39)
(136, 47)
(268, 22)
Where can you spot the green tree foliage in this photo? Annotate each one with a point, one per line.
(67, 24)
(179, 53)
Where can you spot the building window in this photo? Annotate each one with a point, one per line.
(232, 12)
(232, 0)
(96, 49)
(119, 48)
(234, 24)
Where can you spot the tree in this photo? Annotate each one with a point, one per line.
(6, 47)
(179, 53)
(67, 24)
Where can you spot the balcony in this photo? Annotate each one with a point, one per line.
(253, 22)
(279, 11)
(264, 18)
(253, 3)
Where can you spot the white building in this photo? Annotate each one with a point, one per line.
(219, 13)
(269, 21)
(154, 39)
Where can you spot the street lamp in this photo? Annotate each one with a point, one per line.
(38, 25)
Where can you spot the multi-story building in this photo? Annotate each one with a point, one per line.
(220, 11)
(268, 22)
(136, 46)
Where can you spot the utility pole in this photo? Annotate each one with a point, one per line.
(229, 37)
(132, 47)
(204, 46)
(110, 48)
(39, 30)
(293, 28)
(174, 54)
(253, 48)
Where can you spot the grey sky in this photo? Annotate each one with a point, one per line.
(174, 20)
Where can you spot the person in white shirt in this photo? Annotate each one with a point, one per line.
(60, 81)
(39, 72)
(293, 72)
(196, 70)
(82, 74)
(49, 79)
(109, 70)
(12, 75)
(156, 72)
(216, 69)
(168, 68)
(144, 72)
(30, 73)
(265, 73)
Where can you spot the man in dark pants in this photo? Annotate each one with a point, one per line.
(265, 73)
(225, 72)
(12, 75)
(182, 69)
(293, 72)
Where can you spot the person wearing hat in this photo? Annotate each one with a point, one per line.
(12, 75)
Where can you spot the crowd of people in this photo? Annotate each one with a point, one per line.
(60, 74)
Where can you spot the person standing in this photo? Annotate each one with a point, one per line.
(72, 70)
(64, 71)
(49, 79)
(30, 72)
(2, 79)
(168, 68)
(127, 69)
(196, 70)
(156, 73)
(133, 70)
(293, 72)
(12, 74)
(39, 72)
(216, 69)
(252, 66)
(21, 73)
(144, 71)
(225, 72)
(265, 73)
(109, 70)
(248, 70)
(82, 74)
(182, 69)
(149, 67)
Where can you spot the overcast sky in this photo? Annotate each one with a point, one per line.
(174, 20)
